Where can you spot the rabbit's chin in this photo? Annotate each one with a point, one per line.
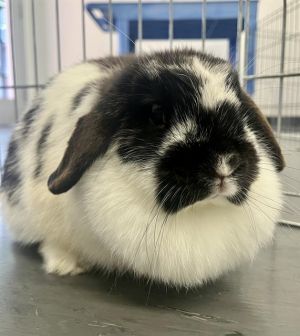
(193, 246)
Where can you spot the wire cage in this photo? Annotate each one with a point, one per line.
(265, 52)
(276, 85)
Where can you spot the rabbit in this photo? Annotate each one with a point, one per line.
(160, 165)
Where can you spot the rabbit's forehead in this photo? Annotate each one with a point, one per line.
(215, 84)
(212, 83)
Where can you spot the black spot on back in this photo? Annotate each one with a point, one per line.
(29, 119)
(50, 81)
(81, 95)
(41, 144)
(11, 178)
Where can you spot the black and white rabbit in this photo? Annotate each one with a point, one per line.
(159, 164)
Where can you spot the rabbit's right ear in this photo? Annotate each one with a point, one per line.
(262, 127)
(90, 140)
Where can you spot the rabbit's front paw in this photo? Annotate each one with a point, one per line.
(58, 260)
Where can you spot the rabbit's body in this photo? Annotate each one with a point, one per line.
(111, 217)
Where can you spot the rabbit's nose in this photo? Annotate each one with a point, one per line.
(227, 165)
(221, 181)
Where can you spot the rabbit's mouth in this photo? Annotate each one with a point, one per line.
(226, 186)
(177, 195)
(175, 199)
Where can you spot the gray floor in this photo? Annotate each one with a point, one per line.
(262, 298)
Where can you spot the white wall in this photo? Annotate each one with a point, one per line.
(266, 7)
(70, 22)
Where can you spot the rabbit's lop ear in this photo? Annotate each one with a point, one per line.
(90, 140)
(263, 129)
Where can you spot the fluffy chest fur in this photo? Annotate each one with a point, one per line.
(192, 246)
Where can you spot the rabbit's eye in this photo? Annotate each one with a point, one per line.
(157, 116)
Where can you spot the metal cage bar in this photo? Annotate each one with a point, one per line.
(35, 56)
(238, 37)
(140, 26)
(11, 28)
(247, 33)
(110, 19)
(203, 20)
(57, 18)
(279, 75)
(83, 30)
(171, 23)
(282, 57)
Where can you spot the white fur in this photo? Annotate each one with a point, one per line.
(110, 217)
(224, 168)
(178, 134)
(214, 91)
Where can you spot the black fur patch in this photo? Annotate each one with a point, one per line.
(259, 124)
(91, 138)
(81, 95)
(11, 178)
(28, 119)
(173, 91)
(50, 81)
(40, 147)
(187, 172)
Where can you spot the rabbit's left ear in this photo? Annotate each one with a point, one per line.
(262, 128)
(90, 140)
